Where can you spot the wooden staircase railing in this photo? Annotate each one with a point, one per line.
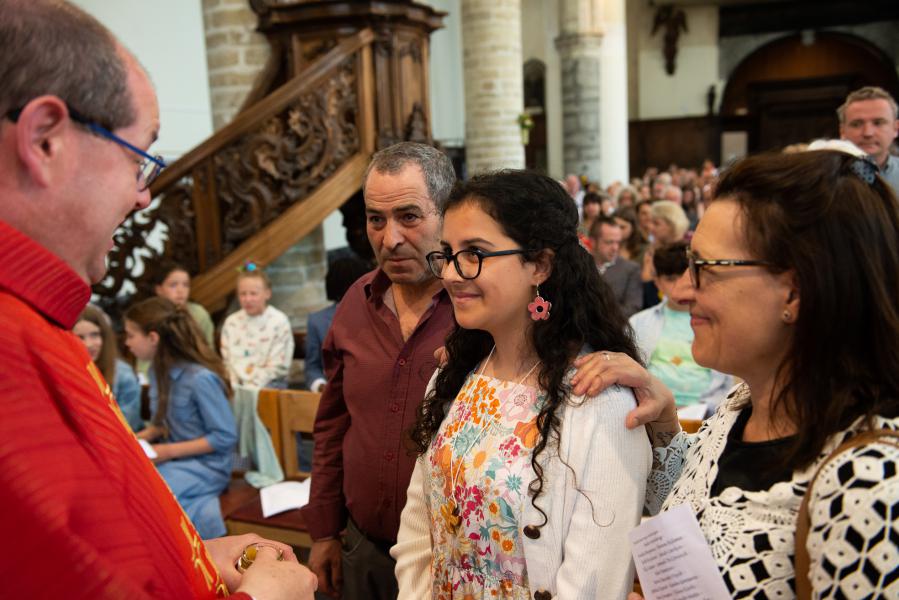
(258, 185)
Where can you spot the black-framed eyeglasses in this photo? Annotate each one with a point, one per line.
(467, 262)
(149, 168)
(695, 265)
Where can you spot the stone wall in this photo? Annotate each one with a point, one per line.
(298, 279)
(235, 55)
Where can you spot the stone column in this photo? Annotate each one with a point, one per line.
(494, 87)
(235, 54)
(579, 43)
(614, 155)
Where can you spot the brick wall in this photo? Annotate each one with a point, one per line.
(235, 54)
(491, 46)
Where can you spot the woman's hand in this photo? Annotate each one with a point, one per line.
(149, 433)
(600, 370)
(162, 453)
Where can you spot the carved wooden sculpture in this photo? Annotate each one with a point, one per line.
(346, 78)
(674, 20)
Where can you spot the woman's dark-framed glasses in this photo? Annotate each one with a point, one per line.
(467, 262)
(695, 265)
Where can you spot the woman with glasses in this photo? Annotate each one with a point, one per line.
(522, 489)
(793, 284)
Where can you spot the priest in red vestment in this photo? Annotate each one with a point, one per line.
(83, 513)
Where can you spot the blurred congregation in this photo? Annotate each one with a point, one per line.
(506, 284)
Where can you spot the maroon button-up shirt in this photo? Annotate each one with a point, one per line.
(376, 382)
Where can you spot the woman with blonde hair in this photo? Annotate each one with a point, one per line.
(669, 225)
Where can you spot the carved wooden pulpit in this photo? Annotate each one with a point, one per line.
(300, 32)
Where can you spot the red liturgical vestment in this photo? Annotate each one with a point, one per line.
(83, 513)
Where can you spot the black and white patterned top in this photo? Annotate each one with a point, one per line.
(853, 540)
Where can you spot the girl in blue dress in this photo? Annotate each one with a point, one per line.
(192, 424)
(94, 330)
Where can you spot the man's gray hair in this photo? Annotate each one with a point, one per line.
(52, 47)
(434, 164)
(870, 92)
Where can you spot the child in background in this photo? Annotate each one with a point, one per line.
(665, 338)
(257, 340)
(173, 282)
(192, 421)
(94, 330)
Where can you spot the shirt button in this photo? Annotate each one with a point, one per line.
(388, 455)
(402, 362)
(542, 595)
(532, 532)
(394, 408)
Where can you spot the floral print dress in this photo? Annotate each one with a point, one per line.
(479, 466)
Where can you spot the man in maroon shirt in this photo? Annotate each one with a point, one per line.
(379, 357)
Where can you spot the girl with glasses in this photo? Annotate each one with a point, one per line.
(522, 489)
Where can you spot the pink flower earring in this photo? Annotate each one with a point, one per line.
(539, 308)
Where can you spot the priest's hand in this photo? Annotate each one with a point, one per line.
(225, 552)
(269, 578)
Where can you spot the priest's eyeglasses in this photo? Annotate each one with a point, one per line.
(148, 169)
(467, 262)
(695, 265)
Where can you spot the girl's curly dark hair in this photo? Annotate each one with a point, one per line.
(537, 213)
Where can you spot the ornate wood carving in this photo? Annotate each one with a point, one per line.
(402, 29)
(417, 125)
(132, 261)
(412, 49)
(255, 178)
(306, 128)
(265, 172)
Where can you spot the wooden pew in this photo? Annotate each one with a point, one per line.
(284, 413)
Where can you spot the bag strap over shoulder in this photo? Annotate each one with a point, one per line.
(803, 521)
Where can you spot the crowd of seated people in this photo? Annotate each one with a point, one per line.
(652, 211)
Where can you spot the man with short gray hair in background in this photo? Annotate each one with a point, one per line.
(868, 119)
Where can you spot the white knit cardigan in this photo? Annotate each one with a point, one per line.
(592, 498)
